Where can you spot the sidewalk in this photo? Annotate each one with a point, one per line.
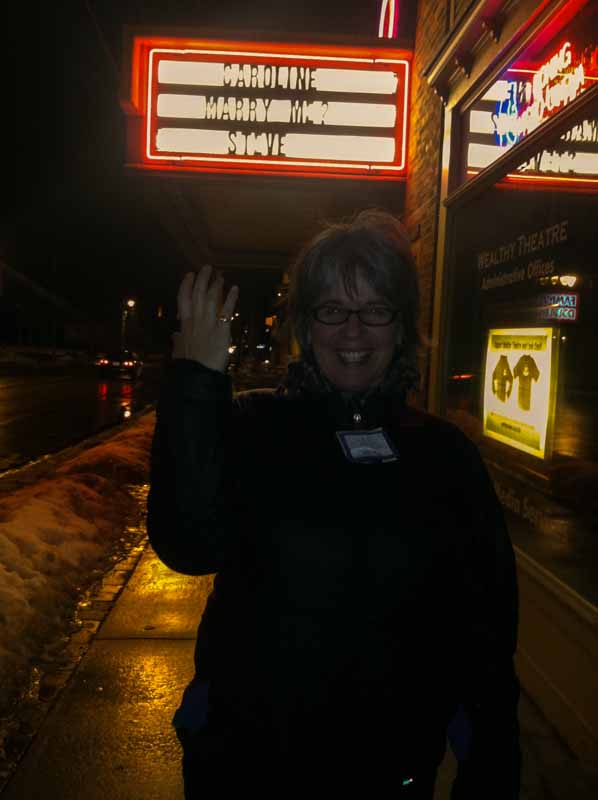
(108, 734)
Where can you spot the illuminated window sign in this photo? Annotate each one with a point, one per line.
(546, 79)
(532, 256)
(559, 307)
(519, 387)
(245, 107)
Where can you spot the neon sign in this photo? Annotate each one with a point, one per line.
(506, 117)
(547, 77)
(559, 307)
(245, 107)
(389, 19)
(528, 103)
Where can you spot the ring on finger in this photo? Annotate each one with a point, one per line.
(224, 319)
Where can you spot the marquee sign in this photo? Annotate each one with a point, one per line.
(246, 107)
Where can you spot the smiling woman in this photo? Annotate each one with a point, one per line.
(354, 302)
(381, 549)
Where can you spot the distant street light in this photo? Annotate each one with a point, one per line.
(127, 307)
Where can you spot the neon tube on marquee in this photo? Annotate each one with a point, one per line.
(286, 109)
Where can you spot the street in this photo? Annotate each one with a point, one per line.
(44, 414)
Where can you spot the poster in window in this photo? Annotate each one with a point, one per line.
(519, 381)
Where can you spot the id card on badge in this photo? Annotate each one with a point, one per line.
(367, 447)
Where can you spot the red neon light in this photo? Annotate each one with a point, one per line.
(548, 178)
(519, 176)
(144, 124)
(557, 23)
(554, 84)
(561, 74)
(388, 23)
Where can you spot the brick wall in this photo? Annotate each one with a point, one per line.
(421, 202)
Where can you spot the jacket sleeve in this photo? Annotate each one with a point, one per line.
(491, 764)
(191, 517)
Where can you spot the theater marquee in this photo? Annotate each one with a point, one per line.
(246, 107)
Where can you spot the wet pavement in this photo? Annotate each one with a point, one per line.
(45, 413)
(108, 734)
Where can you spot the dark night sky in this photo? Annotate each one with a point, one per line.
(84, 230)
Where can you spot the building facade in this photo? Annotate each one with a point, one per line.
(502, 206)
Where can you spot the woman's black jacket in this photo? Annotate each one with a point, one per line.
(372, 598)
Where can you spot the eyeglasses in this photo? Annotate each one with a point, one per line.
(330, 314)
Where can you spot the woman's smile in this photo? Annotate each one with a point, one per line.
(352, 357)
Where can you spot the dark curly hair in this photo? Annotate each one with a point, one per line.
(374, 245)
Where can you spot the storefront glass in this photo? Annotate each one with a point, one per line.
(523, 346)
(522, 363)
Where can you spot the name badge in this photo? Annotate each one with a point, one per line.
(367, 447)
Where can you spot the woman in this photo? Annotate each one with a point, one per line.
(366, 592)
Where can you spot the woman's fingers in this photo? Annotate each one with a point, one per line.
(184, 296)
(199, 288)
(214, 295)
(200, 299)
(228, 307)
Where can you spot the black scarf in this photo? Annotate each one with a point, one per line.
(304, 377)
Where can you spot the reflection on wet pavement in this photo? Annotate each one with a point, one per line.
(40, 415)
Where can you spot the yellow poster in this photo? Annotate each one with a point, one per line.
(518, 387)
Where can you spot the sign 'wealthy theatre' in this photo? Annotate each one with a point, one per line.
(246, 107)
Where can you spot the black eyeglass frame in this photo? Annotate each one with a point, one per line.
(349, 312)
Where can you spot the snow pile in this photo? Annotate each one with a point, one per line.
(54, 533)
(124, 459)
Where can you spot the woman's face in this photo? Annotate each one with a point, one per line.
(353, 356)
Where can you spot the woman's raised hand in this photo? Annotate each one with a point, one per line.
(205, 319)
